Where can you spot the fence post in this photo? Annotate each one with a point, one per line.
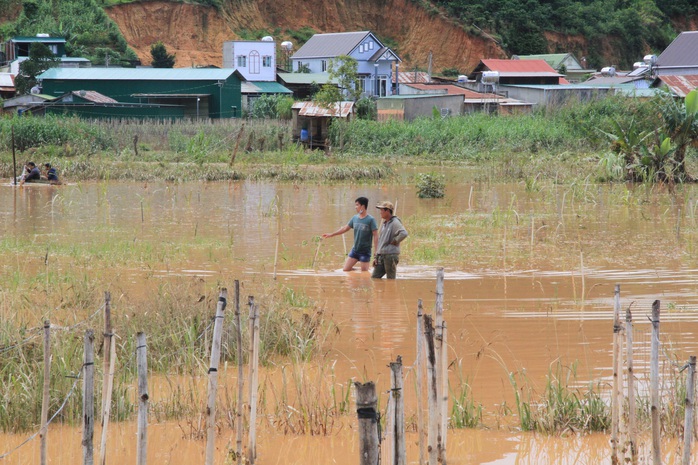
(88, 400)
(632, 412)
(444, 392)
(688, 420)
(106, 349)
(419, 366)
(366, 402)
(213, 375)
(254, 376)
(654, 386)
(398, 399)
(142, 363)
(47, 384)
(107, 405)
(615, 400)
(432, 392)
(238, 331)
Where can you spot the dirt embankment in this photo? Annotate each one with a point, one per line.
(196, 33)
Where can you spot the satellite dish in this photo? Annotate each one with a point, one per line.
(287, 45)
(267, 39)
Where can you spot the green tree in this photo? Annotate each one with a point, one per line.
(40, 59)
(344, 85)
(161, 59)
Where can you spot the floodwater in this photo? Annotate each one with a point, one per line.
(529, 282)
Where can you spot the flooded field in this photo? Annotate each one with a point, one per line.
(529, 268)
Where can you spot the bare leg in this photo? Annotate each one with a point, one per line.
(349, 264)
(365, 265)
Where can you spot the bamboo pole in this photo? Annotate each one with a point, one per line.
(688, 419)
(106, 350)
(142, 363)
(107, 405)
(88, 400)
(278, 237)
(254, 375)
(444, 392)
(366, 402)
(237, 144)
(654, 386)
(316, 252)
(419, 366)
(615, 401)
(46, 399)
(632, 409)
(432, 392)
(213, 375)
(14, 160)
(238, 331)
(399, 454)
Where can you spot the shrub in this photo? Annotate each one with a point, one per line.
(430, 186)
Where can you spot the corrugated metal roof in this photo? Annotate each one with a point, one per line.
(341, 109)
(330, 45)
(270, 87)
(93, 96)
(529, 74)
(681, 52)
(408, 77)
(680, 85)
(520, 67)
(455, 90)
(553, 59)
(305, 78)
(138, 74)
(7, 80)
(24, 39)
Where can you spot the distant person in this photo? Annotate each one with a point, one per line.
(32, 173)
(365, 232)
(388, 251)
(51, 174)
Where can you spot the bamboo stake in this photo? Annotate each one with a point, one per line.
(213, 375)
(237, 144)
(439, 349)
(396, 395)
(142, 363)
(316, 252)
(654, 386)
(444, 392)
(615, 401)
(276, 248)
(238, 331)
(419, 366)
(14, 160)
(632, 412)
(107, 405)
(432, 392)
(366, 402)
(688, 420)
(47, 384)
(106, 349)
(254, 374)
(88, 400)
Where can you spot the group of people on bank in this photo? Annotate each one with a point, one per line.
(31, 173)
(386, 243)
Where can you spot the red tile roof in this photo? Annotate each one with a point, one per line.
(518, 66)
(680, 85)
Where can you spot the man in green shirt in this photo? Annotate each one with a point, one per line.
(365, 232)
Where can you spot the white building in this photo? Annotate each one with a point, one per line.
(255, 60)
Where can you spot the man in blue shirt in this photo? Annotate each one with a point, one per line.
(365, 233)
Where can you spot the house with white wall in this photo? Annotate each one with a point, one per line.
(376, 62)
(255, 60)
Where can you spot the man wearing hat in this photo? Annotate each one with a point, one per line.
(388, 251)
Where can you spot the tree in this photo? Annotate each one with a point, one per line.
(40, 59)
(161, 59)
(343, 71)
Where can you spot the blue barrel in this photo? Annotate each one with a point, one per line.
(304, 135)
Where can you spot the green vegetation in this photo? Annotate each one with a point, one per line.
(430, 186)
(343, 71)
(40, 59)
(272, 106)
(161, 59)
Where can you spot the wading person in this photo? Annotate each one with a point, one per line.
(365, 232)
(51, 173)
(32, 174)
(388, 251)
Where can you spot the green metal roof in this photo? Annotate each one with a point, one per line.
(553, 59)
(138, 74)
(305, 78)
(38, 39)
(270, 87)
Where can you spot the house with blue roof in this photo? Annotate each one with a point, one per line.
(376, 62)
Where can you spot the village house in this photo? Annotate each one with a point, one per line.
(564, 63)
(376, 62)
(16, 50)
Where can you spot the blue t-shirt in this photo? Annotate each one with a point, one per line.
(363, 233)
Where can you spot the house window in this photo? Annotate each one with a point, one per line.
(324, 66)
(254, 62)
(370, 45)
(242, 61)
(54, 49)
(361, 48)
(266, 61)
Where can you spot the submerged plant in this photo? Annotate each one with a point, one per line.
(430, 186)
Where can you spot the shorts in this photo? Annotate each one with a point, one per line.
(362, 257)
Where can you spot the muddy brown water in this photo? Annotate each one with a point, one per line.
(513, 303)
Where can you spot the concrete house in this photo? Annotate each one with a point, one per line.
(563, 63)
(516, 72)
(680, 57)
(16, 50)
(376, 62)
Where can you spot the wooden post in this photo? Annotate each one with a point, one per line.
(14, 160)
(237, 144)
(419, 367)
(107, 405)
(278, 238)
(213, 375)
(632, 409)
(438, 354)
(433, 442)
(106, 349)
(615, 400)
(238, 331)
(366, 402)
(654, 386)
(47, 384)
(444, 393)
(142, 363)
(688, 419)
(88, 400)
(254, 374)
(399, 453)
